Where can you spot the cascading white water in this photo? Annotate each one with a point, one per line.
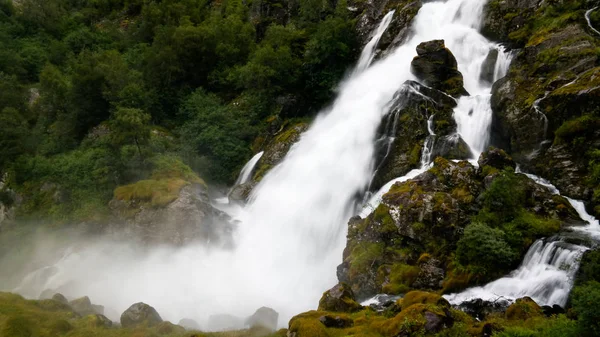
(473, 114)
(547, 271)
(248, 169)
(589, 22)
(368, 52)
(292, 233)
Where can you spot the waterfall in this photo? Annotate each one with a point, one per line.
(589, 21)
(248, 169)
(292, 233)
(548, 269)
(368, 53)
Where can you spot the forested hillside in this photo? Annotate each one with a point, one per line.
(95, 94)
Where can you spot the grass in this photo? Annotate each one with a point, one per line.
(48, 318)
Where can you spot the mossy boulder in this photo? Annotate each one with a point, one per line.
(496, 158)
(503, 20)
(339, 299)
(436, 66)
(523, 308)
(140, 314)
(423, 297)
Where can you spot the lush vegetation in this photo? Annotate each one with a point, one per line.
(92, 91)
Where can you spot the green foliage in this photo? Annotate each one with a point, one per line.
(484, 247)
(579, 127)
(217, 132)
(586, 304)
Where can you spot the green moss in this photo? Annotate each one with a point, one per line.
(578, 127)
(401, 277)
(522, 309)
(423, 297)
(364, 256)
(157, 193)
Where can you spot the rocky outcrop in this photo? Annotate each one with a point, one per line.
(505, 20)
(275, 144)
(138, 314)
(339, 299)
(403, 132)
(189, 217)
(405, 243)
(545, 109)
(436, 66)
(370, 13)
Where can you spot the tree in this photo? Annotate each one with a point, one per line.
(129, 125)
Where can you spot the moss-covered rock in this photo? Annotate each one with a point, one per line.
(412, 239)
(172, 207)
(339, 299)
(523, 308)
(550, 90)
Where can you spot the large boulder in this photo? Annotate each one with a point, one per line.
(140, 314)
(523, 308)
(84, 306)
(436, 66)
(339, 299)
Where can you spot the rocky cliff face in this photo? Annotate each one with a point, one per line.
(189, 217)
(546, 109)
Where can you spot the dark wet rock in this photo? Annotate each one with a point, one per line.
(140, 313)
(435, 322)
(384, 302)
(489, 66)
(480, 309)
(552, 310)
(503, 18)
(189, 324)
(336, 321)
(451, 147)
(263, 317)
(552, 82)
(436, 66)
(340, 298)
(496, 158)
(190, 217)
(402, 133)
(370, 13)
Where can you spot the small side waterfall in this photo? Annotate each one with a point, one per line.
(248, 169)
(368, 53)
(547, 271)
(589, 21)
